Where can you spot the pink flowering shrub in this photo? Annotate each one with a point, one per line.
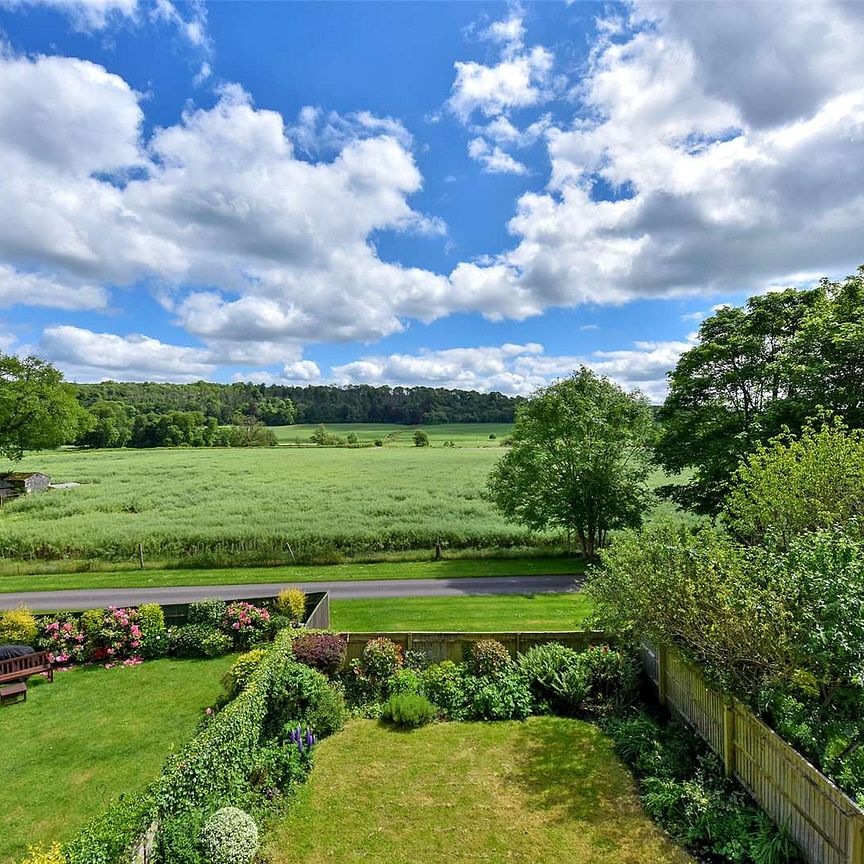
(246, 623)
(119, 638)
(64, 641)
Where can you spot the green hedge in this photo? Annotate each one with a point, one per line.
(214, 763)
(219, 758)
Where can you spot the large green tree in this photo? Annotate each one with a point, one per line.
(578, 461)
(38, 411)
(756, 371)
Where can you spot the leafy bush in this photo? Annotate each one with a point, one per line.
(218, 760)
(324, 652)
(416, 660)
(90, 624)
(230, 836)
(237, 677)
(154, 640)
(18, 627)
(278, 622)
(794, 486)
(408, 710)
(303, 695)
(179, 839)
(404, 681)
(291, 602)
(118, 636)
(381, 658)
(612, 679)
(327, 712)
(506, 696)
(442, 683)
(545, 667)
(210, 611)
(488, 658)
(197, 640)
(279, 766)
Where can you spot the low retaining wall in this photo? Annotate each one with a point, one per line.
(454, 645)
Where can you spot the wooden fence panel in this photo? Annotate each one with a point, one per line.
(826, 823)
(454, 645)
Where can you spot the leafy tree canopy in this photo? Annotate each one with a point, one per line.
(38, 410)
(578, 461)
(794, 486)
(755, 371)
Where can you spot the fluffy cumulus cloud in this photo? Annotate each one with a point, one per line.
(707, 163)
(493, 159)
(515, 369)
(218, 200)
(88, 356)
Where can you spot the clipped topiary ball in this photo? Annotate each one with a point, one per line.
(229, 836)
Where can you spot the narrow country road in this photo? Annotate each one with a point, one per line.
(97, 598)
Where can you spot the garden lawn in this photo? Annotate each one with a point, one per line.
(91, 735)
(544, 791)
(448, 569)
(494, 613)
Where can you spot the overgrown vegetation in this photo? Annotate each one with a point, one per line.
(779, 623)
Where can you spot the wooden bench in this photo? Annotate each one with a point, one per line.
(11, 692)
(21, 668)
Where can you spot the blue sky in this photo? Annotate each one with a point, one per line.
(475, 195)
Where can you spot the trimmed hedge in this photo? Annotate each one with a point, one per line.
(219, 759)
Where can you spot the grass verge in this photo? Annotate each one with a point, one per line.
(500, 612)
(448, 569)
(542, 791)
(92, 735)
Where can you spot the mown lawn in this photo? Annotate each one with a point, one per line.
(447, 569)
(501, 612)
(91, 735)
(544, 791)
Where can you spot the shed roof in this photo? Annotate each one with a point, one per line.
(19, 476)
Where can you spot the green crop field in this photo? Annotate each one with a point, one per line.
(238, 505)
(391, 435)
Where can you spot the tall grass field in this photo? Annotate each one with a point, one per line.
(256, 505)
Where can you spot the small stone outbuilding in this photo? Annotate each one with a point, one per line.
(22, 483)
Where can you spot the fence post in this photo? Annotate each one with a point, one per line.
(856, 841)
(141, 555)
(729, 737)
(661, 674)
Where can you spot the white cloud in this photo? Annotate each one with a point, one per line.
(95, 15)
(299, 373)
(87, 356)
(672, 188)
(316, 132)
(29, 289)
(86, 14)
(219, 199)
(520, 79)
(493, 159)
(514, 369)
